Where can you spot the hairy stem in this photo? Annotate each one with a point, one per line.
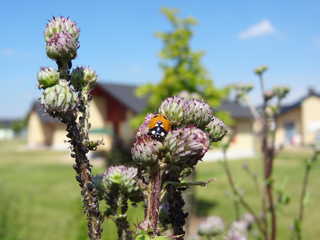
(84, 177)
(153, 204)
(236, 193)
(77, 133)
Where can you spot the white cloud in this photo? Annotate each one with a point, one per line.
(262, 28)
(7, 52)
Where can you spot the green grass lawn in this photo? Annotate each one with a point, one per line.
(39, 198)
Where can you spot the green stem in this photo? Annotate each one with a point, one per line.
(239, 195)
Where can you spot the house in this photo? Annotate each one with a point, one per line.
(243, 143)
(299, 122)
(6, 131)
(111, 109)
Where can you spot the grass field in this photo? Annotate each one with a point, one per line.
(39, 198)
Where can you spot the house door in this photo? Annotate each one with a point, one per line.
(290, 132)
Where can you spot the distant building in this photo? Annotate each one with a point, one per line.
(112, 108)
(6, 132)
(299, 122)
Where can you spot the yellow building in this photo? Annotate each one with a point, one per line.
(110, 111)
(112, 108)
(243, 143)
(299, 122)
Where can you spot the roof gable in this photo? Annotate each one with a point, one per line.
(288, 107)
(126, 95)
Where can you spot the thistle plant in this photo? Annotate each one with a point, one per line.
(161, 162)
(272, 196)
(66, 98)
(164, 165)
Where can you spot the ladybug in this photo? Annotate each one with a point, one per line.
(159, 126)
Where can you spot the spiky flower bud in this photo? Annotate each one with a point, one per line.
(83, 76)
(186, 145)
(271, 111)
(248, 219)
(61, 24)
(62, 46)
(48, 77)
(188, 95)
(281, 91)
(197, 113)
(260, 70)
(211, 227)
(237, 231)
(173, 109)
(59, 98)
(120, 175)
(144, 129)
(216, 129)
(145, 150)
(241, 90)
(268, 95)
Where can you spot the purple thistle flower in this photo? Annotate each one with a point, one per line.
(173, 109)
(248, 219)
(61, 24)
(59, 98)
(187, 144)
(120, 175)
(144, 129)
(216, 129)
(145, 150)
(237, 231)
(212, 226)
(188, 95)
(62, 46)
(197, 112)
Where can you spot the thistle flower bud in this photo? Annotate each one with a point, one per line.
(281, 91)
(271, 111)
(83, 76)
(62, 46)
(59, 98)
(197, 113)
(48, 77)
(268, 95)
(237, 231)
(120, 175)
(241, 90)
(248, 219)
(61, 24)
(260, 70)
(236, 236)
(211, 227)
(186, 145)
(144, 129)
(216, 129)
(173, 109)
(145, 150)
(187, 95)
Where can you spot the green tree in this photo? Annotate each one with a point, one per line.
(182, 68)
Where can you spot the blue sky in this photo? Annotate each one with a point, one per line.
(117, 40)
